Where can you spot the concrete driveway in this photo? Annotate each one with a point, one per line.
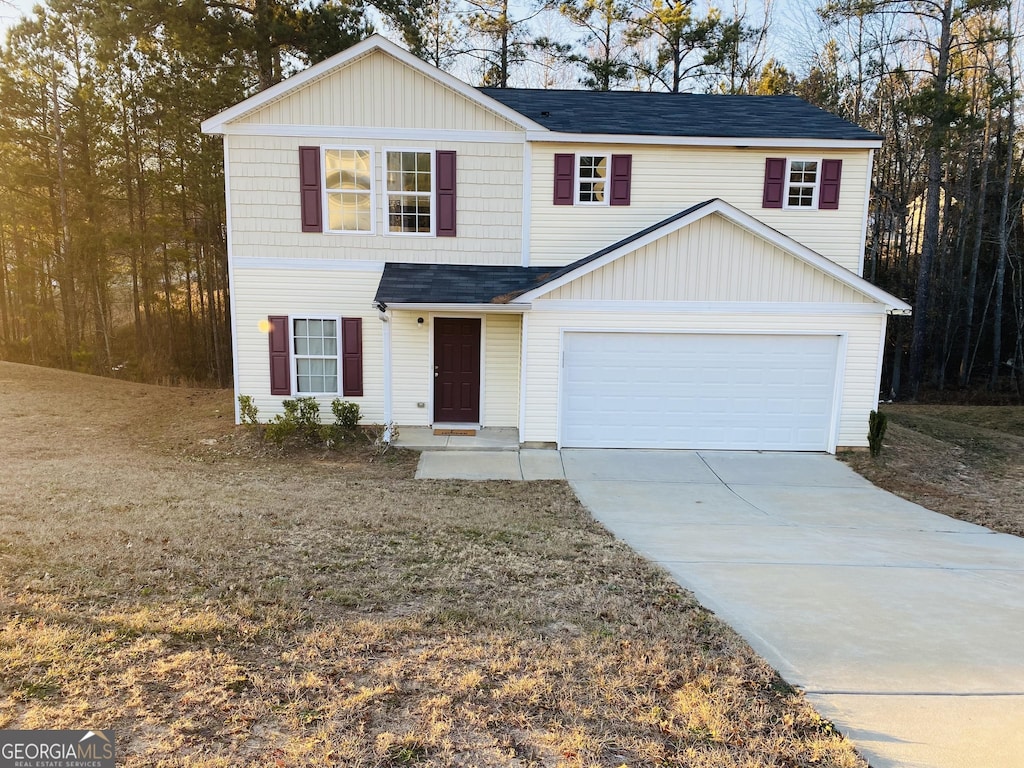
(904, 627)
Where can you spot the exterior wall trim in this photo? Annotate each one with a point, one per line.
(229, 237)
(328, 265)
(350, 132)
(463, 308)
(710, 307)
(699, 141)
(867, 205)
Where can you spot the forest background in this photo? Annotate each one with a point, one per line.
(112, 235)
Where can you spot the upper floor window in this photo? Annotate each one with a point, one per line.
(802, 184)
(409, 176)
(348, 189)
(592, 180)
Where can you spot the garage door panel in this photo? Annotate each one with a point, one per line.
(677, 390)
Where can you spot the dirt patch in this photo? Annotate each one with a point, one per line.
(963, 461)
(218, 603)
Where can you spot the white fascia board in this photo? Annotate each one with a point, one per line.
(216, 124)
(516, 309)
(700, 141)
(326, 265)
(800, 308)
(741, 219)
(355, 132)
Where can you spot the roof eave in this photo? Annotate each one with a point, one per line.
(561, 137)
(516, 309)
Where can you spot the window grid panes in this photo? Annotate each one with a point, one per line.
(316, 355)
(803, 180)
(593, 175)
(349, 186)
(409, 192)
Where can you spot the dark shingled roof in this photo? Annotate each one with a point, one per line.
(678, 114)
(477, 284)
(455, 283)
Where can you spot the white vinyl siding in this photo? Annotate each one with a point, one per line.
(709, 260)
(376, 90)
(501, 370)
(304, 293)
(667, 180)
(264, 178)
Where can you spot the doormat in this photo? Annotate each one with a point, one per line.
(455, 432)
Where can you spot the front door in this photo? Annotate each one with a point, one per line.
(456, 369)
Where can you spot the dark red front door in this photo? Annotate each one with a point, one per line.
(456, 369)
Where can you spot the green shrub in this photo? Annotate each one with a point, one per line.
(877, 424)
(346, 414)
(248, 410)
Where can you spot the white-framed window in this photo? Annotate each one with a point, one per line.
(348, 189)
(802, 180)
(593, 185)
(409, 191)
(316, 350)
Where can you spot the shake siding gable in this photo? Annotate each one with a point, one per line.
(378, 91)
(266, 208)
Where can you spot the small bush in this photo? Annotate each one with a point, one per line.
(346, 414)
(248, 410)
(877, 424)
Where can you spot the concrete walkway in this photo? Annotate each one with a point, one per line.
(904, 627)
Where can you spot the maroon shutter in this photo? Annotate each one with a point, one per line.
(774, 182)
(352, 356)
(280, 367)
(828, 193)
(565, 176)
(445, 166)
(622, 172)
(309, 189)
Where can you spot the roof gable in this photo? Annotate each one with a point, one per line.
(348, 90)
(782, 247)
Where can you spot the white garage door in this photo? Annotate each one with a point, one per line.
(714, 391)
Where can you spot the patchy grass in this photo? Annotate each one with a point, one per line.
(220, 604)
(964, 461)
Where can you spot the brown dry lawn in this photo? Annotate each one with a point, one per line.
(219, 604)
(964, 461)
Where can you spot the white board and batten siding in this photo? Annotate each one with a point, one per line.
(412, 371)
(669, 179)
(259, 293)
(711, 259)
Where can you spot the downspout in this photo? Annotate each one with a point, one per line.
(385, 317)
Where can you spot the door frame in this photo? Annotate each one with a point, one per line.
(483, 362)
(838, 388)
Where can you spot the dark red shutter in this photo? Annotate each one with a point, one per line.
(352, 356)
(622, 172)
(565, 177)
(828, 193)
(774, 182)
(309, 189)
(280, 364)
(445, 167)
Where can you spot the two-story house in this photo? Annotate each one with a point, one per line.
(594, 269)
